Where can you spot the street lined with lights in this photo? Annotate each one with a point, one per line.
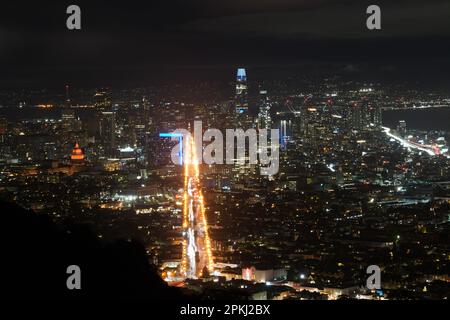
(432, 151)
(196, 243)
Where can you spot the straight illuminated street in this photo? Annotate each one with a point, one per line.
(196, 243)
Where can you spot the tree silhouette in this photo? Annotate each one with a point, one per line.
(36, 253)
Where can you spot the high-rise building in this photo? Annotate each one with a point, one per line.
(401, 127)
(377, 116)
(3, 129)
(69, 121)
(67, 115)
(365, 116)
(372, 116)
(264, 119)
(103, 99)
(241, 92)
(67, 100)
(357, 118)
(285, 128)
(3, 126)
(107, 130)
(243, 117)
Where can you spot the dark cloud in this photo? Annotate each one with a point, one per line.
(333, 21)
(146, 40)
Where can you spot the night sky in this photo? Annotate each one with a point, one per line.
(138, 42)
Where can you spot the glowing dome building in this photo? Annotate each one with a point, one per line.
(77, 155)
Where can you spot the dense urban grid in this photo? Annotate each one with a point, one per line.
(353, 189)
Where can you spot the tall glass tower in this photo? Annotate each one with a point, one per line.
(241, 91)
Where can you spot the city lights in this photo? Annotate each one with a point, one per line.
(237, 152)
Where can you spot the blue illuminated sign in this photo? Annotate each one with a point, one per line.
(180, 141)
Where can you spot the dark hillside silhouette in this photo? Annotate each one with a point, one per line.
(36, 253)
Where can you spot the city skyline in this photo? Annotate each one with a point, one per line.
(239, 151)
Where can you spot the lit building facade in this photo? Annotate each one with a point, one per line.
(77, 155)
(241, 91)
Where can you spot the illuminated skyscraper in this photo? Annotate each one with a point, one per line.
(401, 128)
(107, 131)
(69, 120)
(3, 129)
(67, 101)
(377, 116)
(285, 132)
(103, 99)
(241, 91)
(358, 117)
(264, 120)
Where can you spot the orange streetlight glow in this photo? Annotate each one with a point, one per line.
(197, 244)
